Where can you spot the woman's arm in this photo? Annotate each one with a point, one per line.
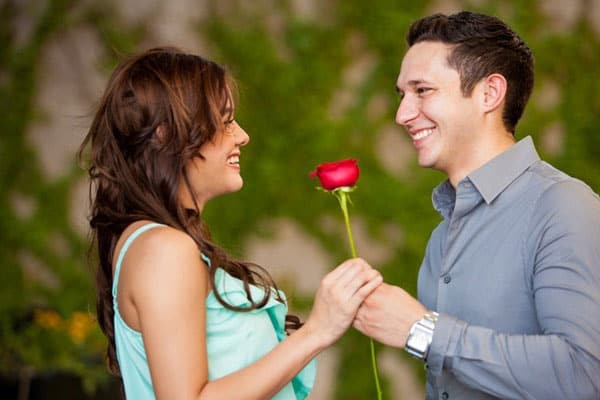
(171, 286)
(168, 285)
(339, 296)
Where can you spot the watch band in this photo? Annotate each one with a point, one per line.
(420, 336)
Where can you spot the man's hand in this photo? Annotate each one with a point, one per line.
(387, 314)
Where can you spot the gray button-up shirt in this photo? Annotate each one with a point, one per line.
(514, 271)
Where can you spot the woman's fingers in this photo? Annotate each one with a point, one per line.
(373, 283)
(344, 267)
(351, 286)
(341, 293)
(353, 278)
(360, 279)
(350, 275)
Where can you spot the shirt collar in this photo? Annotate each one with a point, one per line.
(492, 178)
(443, 198)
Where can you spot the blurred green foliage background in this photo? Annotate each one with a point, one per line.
(312, 89)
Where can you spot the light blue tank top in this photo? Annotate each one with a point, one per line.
(234, 340)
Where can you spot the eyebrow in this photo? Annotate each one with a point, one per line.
(416, 82)
(228, 111)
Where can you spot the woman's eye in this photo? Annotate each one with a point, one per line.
(229, 126)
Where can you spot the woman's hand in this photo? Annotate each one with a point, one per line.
(337, 300)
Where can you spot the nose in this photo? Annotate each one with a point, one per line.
(241, 137)
(407, 110)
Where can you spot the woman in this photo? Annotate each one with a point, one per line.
(183, 319)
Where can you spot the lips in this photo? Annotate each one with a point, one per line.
(234, 159)
(421, 134)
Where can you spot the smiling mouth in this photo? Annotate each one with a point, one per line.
(234, 160)
(422, 134)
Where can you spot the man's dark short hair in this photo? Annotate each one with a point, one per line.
(482, 45)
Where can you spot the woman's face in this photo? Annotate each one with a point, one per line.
(219, 172)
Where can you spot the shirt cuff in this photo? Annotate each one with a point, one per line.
(448, 331)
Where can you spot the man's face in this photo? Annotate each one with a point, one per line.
(440, 120)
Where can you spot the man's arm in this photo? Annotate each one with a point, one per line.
(561, 363)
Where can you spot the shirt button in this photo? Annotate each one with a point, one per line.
(445, 395)
(447, 279)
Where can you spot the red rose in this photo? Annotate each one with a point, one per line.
(334, 175)
(338, 178)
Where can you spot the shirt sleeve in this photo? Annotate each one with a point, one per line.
(563, 361)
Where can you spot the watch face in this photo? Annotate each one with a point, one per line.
(419, 341)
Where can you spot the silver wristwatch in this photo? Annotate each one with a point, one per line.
(420, 336)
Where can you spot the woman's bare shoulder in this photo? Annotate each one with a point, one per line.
(164, 256)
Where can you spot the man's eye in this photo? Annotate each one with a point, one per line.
(423, 90)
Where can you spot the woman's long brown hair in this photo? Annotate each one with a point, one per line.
(136, 169)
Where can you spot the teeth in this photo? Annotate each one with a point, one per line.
(233, 160)
(422, 134)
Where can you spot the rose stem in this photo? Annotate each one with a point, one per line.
(343, 199)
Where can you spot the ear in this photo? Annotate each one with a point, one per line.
(161, 134)
(493, 92)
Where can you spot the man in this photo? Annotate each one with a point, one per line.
(509, 287)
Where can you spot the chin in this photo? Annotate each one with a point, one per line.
(425, 163)
(427, 160)
(237, 186)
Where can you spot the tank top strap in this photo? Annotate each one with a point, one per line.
(126, 245)
(205, 259)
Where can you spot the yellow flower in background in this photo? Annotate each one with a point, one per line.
(80, 325)
(47, 319)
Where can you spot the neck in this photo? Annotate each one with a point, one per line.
(186, 200)
(479, 153)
